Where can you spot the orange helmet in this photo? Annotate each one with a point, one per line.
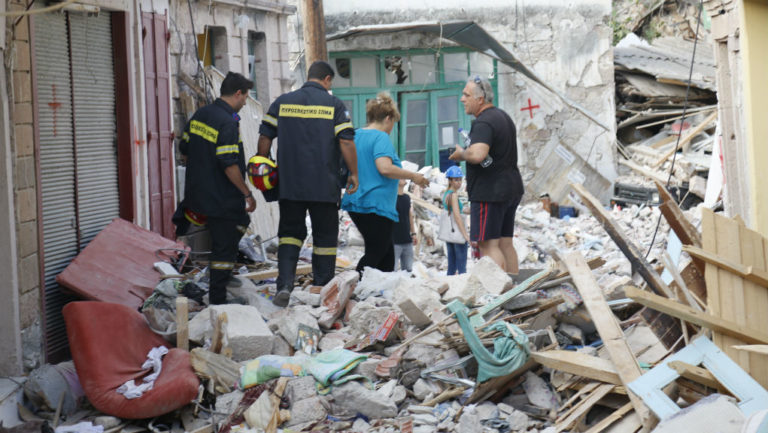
(262, 172)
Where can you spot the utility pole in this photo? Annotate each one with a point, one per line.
(314, 31)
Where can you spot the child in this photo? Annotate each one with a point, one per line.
(404, 235)
(457, 253)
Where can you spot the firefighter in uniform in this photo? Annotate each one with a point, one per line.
(314, 133)
(215, 192)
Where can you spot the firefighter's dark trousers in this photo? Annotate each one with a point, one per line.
(225, 236)
(292, 230)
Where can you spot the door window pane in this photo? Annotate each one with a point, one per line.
(417, 158)
(341, 68)
(423, 69)
(455, 67)
(396, 70)
(447, 108)
(416, 138)
(364, 71)
(417, 111)
(480, 64)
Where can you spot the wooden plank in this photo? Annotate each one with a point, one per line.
(688, 314)
(755, 295)
(683, 143)
(219, 325)
(583, 407)
(425, 204)
(272, 273)
(610, 419)
(696, 374)
(647, 172)
(757, 276)
(182, 323)
(579, 364)
(593, 264)
(683, 228)
(754, 348)
(635, 256)
(669, 265)
(608, 328)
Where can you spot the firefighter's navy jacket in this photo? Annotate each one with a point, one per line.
(308, 123)
(211, 142)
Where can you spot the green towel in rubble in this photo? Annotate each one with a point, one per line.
(510, 351)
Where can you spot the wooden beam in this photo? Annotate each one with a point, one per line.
(749, 273)
(272, 273)
(579, 364)
(685, 231)
(608, 327)
(610, 419)
(635, 256)
(593, 264)
(670, 266)
(182, 323)
(219, 325)
(688, 314)
(754, 348)
(581, 409)
(683, 143)
(696, 374)
(315, 47)
(652, 174)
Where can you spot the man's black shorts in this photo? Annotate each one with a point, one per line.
(492, 220)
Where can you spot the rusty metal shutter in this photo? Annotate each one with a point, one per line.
(78, 164)
(93, 91)
(57, 170)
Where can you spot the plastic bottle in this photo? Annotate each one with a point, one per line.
(465, 135)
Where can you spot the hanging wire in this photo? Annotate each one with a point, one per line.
(682, 120)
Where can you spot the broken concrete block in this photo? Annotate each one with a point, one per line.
(714, 413)
(367, 318)
(456, 288)
(697, 186)
(300, 388)
(308, 410)
(367, 368)
(490, 277)
(356, 398)
(305, 297)
(281, 347)
(387, 389)
(487, 410)
(227, 403)
(522, 300)
(573, 332)
(360, 426)
(399, 394)
(414, 313)
(286, 322)
(246, 333)
(333, 340)
(538, 392)
(518, 420)
(470, 422)
(335, 295)
(436, 285)
(423, 389)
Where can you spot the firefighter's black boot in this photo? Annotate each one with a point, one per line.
(287, 258)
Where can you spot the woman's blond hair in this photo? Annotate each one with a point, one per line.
(378, 108)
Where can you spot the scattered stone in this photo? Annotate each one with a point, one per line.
(522, 300)
(470, 422)
(286, 322)
(356, 398)
(518, 420)
(423, 389)
(281, 347)
(308, 410)
(360, 426)
(227, 403)
(107, 422)
(304, 297)
(367, 368)
(573, 332)
(246, 333)
(333, 340)
(399, 394)
(538, 392)
(300, 388)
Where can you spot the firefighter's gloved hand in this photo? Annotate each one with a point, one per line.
(352, 183)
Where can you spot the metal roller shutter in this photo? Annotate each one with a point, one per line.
(78, 159)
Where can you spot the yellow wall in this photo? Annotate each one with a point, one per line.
(754, 46)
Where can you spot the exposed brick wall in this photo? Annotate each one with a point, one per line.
(25, 181)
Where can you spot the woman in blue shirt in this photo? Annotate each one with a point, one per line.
(372, 206)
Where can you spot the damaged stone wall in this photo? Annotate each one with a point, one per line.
(230, 36)
(567, 45)
(18, 63)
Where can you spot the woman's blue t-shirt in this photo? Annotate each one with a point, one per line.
(376, 193)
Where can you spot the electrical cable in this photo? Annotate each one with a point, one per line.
(26, 12)
(682, 120)
(206, 84)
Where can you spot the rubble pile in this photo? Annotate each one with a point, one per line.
(572, 343)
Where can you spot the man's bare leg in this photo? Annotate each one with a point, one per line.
(491, 248)
(510, 255)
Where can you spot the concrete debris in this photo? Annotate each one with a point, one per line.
(286, 322)
(714, 413)
(246, 333)
(308, 410)
(355, 398)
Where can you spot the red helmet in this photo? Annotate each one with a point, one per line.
(195, 218)
(262, 172)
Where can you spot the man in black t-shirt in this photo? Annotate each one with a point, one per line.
(494, 184)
